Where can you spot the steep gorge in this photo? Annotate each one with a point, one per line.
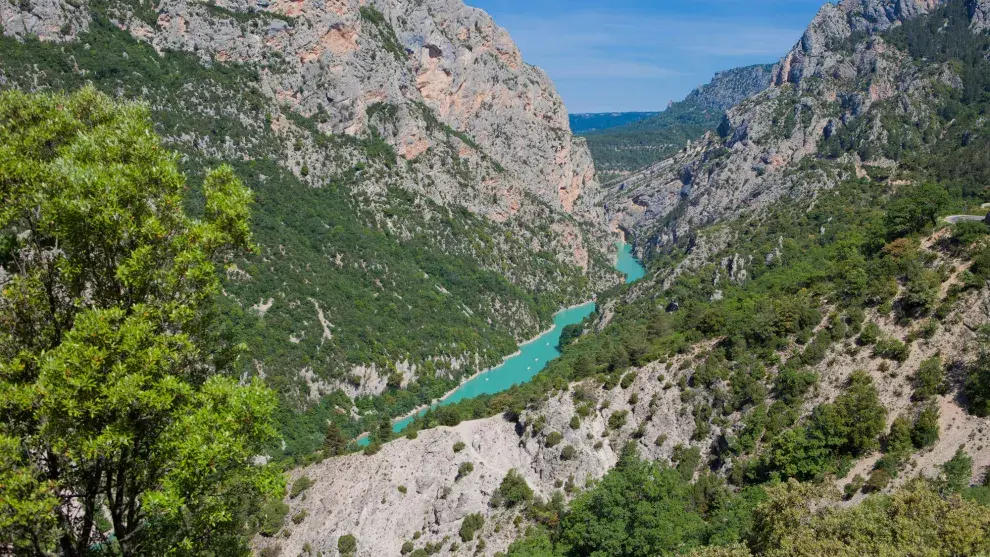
(422, 207)
(775, 279)
(421, 203)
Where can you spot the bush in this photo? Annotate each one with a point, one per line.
(870, 334)
(977, 383)
(854, 486)
(464, 469)
(299, 486)
(347, 544)
(627, 380)
(687, 459)
(472, 523)
(925, 432)
(929, 382)
(300, 516)
(575, 422)
(459, 446)
(791, 384)
(554, 439)
(879, 479)
(898, 441)
(402, 489)
(407, 547)
(618, 419)
(892, 349)
(981, 264)
(568, 453)
(514, 490)
(272, 517)
(967, 233)
(957, 473)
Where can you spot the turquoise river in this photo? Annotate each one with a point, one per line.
(532, 356)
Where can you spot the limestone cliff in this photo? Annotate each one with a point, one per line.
(837, 76)
(437, 62)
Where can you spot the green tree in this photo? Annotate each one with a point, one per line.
(862, 414)
(915, 208)
(914, 520)
(514, 489)
(347, 544)
(977, 385)
(641, 508)
(925, 432)
(929, 382)
(111, 394)
(957, 473)
(471, 524)
(334, 443)
(898, 441)
(569, 334)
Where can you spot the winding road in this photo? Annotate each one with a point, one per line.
(953, 219)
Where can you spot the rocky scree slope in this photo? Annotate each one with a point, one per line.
(421, 203)
(841, 75)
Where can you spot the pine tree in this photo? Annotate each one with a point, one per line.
(334, 443)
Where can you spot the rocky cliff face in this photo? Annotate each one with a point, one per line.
(816, 54)
(731, 87)
(424, 60)
(835, 75)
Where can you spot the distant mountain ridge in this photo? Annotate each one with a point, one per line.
(597, 121)
(622, 149)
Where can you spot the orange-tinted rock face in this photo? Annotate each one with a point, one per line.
(451, 59)
(453, 89)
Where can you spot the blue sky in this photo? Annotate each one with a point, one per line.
(636, 55)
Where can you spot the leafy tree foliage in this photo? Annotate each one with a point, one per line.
(835, 432)
(930, 380)
(514, 490)
(915, 208)
(334, 443)
(958, 471)
(977, 387)
(925, 432)
(110, 352)
(347, 544)
(912, 521)
(471, 524)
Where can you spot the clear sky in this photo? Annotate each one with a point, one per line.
(636, 55)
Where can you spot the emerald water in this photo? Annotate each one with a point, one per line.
(533, 356)
(628, 265)
(518, 368)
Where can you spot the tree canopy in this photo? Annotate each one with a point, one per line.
(119, 429)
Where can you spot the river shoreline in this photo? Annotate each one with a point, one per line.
(626, 263)
(465, 380)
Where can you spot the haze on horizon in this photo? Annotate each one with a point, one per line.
(637, 55)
